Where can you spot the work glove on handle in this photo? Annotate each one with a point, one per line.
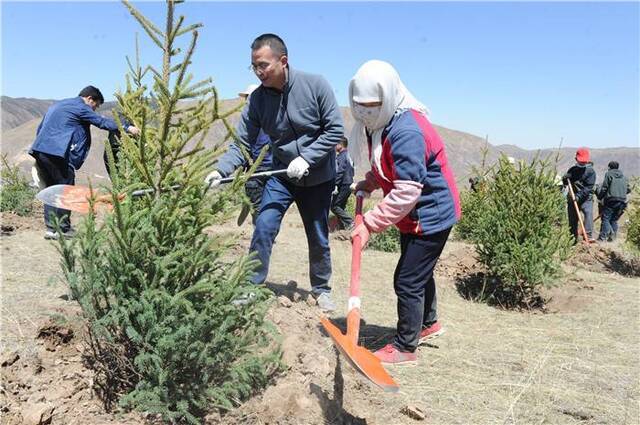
(133, 130)
(213, 179)
(297, 168)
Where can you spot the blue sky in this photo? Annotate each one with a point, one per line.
(521, 73)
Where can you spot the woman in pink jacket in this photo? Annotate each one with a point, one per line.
(409, 163)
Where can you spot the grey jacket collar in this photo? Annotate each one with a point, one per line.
(291, 77)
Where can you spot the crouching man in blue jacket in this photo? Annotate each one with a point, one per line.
(299, 113)
(62, 143)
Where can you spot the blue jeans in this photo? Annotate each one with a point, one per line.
(611, 212)
(313, 203)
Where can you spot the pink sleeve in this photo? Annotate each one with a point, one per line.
(369, 184)
(395, 206)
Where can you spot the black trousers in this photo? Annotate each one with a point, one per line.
(415, 286)
(339, 206)
(55, 170)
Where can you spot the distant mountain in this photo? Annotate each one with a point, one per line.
(17, 111)
(464, 150)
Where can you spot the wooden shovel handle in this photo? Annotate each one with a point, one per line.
(575, 206)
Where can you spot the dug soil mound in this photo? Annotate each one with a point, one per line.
(12, 223)
(317, 386)
(602, 258)
(47, 383)
(50, 384)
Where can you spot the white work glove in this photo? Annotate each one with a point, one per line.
(335, 191)
(37, 181)
(213, 179)
(132, 129)
(297, 168)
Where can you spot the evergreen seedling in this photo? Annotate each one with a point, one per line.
(163, 333)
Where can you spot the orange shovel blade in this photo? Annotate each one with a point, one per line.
(73, 198)
(360, 358)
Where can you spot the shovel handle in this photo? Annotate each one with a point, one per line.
(580, 222)
(142, 192)
(353, 314)
(356, 253)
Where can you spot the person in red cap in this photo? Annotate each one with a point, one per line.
(582, 178)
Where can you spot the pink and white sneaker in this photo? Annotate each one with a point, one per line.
(431, 332)
(389, 354)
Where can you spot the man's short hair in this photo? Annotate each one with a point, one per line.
(613, 165)
(92, 92)
(344, 141)
(277, 45)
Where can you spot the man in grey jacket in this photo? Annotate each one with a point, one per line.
(613, 193)
(299, 112)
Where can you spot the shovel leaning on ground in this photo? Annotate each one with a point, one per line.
(77, 198)
(359, 357)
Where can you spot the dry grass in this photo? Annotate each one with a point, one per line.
(577, 365)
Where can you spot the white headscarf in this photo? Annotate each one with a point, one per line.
(377, 81)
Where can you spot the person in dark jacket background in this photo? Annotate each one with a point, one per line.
(62, 143)
(114, 145)
(613, 193)
(342, 191)
(582, 178)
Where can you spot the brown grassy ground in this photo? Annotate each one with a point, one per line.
(576, 363)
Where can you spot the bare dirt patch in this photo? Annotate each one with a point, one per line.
(12, 223)
(46, 382)
(605, 258)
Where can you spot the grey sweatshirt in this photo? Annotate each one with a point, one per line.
(302, 120)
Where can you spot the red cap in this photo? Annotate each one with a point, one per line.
(582, 155)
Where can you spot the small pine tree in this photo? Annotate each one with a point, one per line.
(521, 236)
(386, 241)
(156, 289)
(15, 193)
(633, 227)
(473, 201)
(473, 208)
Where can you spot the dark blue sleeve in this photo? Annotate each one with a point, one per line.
(588, 181)
(86, 114)
(409, 153)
